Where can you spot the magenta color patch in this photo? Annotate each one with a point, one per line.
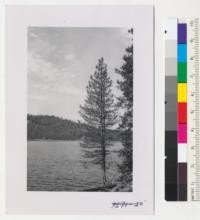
(182, 133)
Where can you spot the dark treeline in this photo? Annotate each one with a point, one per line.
(54, 128)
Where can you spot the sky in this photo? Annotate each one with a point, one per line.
(60, 61)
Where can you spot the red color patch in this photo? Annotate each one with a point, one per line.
(182, 112)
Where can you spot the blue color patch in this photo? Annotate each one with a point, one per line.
(182, 53)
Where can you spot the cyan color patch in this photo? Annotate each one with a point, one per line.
(182, 53)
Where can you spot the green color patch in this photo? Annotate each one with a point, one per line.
(182, 72)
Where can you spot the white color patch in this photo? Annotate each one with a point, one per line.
(171, 29)
(182, 153)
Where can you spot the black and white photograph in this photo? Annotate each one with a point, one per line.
(80, 109)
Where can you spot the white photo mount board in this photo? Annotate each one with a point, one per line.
(18, 19)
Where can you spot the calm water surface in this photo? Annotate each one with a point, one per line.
(60, 166)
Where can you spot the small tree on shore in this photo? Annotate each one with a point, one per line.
(98, 113)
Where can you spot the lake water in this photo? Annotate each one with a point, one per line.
(60, 166)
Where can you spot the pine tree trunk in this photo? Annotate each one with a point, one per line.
(104, 154)
(103, 130)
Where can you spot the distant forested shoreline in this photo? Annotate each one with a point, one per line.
(45, 127)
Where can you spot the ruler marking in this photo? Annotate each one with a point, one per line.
(193, 106)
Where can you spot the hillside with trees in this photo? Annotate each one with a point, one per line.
(45, 127)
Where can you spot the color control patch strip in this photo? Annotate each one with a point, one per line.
(182, 119)
(171, 145)
(182, 112)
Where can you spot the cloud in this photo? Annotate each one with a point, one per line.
(46, 78)
(69, 90)
(69, 57)
(33, 35)
(40, 68)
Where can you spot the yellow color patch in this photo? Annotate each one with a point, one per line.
(182, 92)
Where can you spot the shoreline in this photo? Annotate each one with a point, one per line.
(48, 140)
(53, 140)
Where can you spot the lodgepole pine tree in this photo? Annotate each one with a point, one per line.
(98, 112)
(125, 102)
